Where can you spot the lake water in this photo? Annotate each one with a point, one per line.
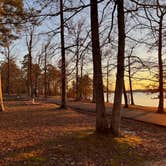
(140, 98)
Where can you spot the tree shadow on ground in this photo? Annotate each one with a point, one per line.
(48, 136)
(81, 148)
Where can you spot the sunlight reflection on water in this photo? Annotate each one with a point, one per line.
(141, 98)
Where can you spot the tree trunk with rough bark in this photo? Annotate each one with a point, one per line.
(77, 77)
(116, 111)
(81, 75)
(125, 96)
(8, 71)
(45, 72)
(63, 65)
(29, 74)
(107, 81)
(101, 121)
(160, 64)
(94, 95)
(130, 81)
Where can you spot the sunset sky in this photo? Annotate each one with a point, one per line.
(142, 51)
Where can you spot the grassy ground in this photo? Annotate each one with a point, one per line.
(43, 135)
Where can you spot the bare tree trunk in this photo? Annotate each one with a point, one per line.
(125, 96)
(116, 111)
(8, 71)
(63, 66)
(130, 81)
(161, 89)
(29, 74)
(101, 121)
(94, 94)
(45, 73)
(1, 98)
(36, 86)
(82, 64)
(107, 81)
(77, 78)
(8, 78)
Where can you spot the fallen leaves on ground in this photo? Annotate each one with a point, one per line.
(44, 135)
